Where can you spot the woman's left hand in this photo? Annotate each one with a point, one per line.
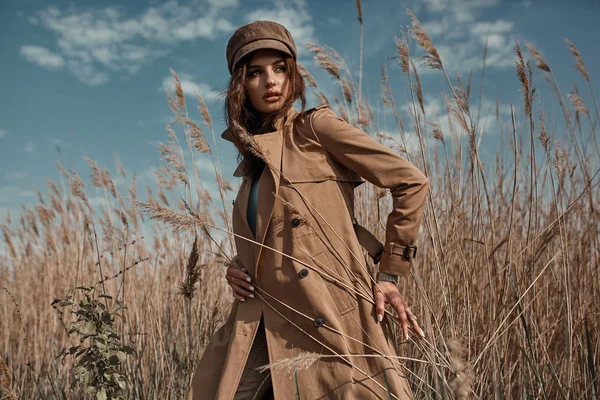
(389, 293)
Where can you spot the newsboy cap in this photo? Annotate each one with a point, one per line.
(258, 35)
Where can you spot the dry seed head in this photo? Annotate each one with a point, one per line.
(325, 60)
(346, 90)
(132, 190)
(250, 144)
(341, 109)
(559, 160)
(6, 391)
(579, 64)
(175, 161)
(170, 132)
(63, 171)
(323, 100)
(178, 90)
(7, 239)
(289, 365)
(461, 384)
(76, 185)
(192, 272)
(101, 177)
(432, 60)
(526, 82)
(404, 54)
(578, 103)
(417, 88)
(306, 75)
(537, 56)
(173, 106)
(204, 111)
(119, 166)
(544, 137)
(383, 136)
(197, 137)
(123, 218)
(386, 90)
(437, 131)
(365, 115)
(225, 185)
(177, 221)
(359, 8)
(292, 208)
(162, 197)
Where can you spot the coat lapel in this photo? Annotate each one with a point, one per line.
(271, 146)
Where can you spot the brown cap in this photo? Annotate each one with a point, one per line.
(258, 35)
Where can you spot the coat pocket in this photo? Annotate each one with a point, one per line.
(340, 285)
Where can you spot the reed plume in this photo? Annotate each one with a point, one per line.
(433, 59)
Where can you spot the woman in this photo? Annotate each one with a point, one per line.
(301, 284)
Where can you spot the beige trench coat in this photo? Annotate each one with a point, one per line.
(316, 299)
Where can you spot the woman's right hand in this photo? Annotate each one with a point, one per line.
(239, 280)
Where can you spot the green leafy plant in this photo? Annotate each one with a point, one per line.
(100, 354)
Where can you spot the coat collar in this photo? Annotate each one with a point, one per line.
(278, 125)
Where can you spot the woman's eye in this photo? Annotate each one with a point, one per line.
(280, 68)
(254, 73)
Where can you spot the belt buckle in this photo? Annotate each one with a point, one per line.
(406, 251)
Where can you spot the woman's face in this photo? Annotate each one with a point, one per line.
(267, 81)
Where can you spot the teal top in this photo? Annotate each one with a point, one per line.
(253, 203)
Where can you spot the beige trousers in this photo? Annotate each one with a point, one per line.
(256, 385)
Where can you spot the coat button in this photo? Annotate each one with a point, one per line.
(303, 273)
(295, 222)
(319, 321)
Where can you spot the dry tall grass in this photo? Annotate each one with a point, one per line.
(505, 285)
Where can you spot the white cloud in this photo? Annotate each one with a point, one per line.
(29, 147)
(2, 133)
(94, 43)
(484, 28)
(205, 166)
(190, 87)
(437, 112)
(15, 175)
(411, 140)
(42, 56)
(460, 36)
(13, 194)
(293, 15)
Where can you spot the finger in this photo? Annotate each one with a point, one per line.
(242, 283)
(240, 291)
(238, 273)
(398, 304)
(414, 325)
(238, 297)
(379, 304)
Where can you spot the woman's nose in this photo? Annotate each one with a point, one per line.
(270, 79)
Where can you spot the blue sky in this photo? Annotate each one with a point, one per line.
(89, 77)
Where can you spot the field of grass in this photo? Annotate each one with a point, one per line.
(505, 285)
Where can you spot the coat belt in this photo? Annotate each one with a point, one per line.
(367, 240)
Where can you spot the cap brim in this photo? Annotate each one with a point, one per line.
(259, 45)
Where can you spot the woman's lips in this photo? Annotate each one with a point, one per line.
(272, 99)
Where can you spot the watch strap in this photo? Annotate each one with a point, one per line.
(382, 276)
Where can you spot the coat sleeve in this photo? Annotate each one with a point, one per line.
(384, 168)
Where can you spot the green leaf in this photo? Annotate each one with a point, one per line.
(101, 394)
(122, 356)
(89, 328)
(128, 349)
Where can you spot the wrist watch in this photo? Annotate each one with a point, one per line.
(382, 276)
